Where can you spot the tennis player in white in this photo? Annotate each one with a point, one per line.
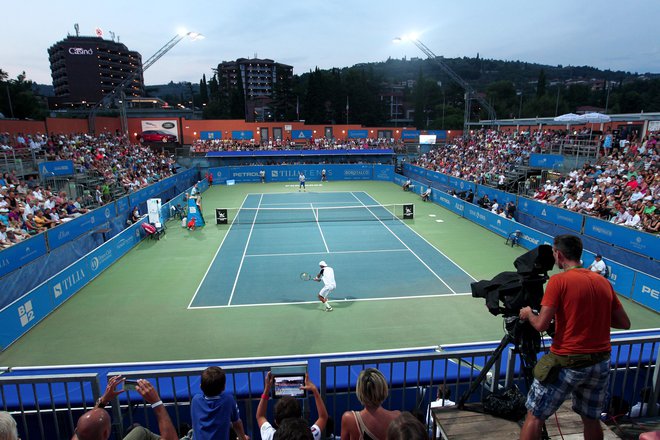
(327, 274)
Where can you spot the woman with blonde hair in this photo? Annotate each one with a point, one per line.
(372, 422)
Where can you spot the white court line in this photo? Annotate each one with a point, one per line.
(411, 251)
(431, 244)
(240, 266)
(213, 259)
(320, 230)
(397, 298)
(296, 254)
(329, 204)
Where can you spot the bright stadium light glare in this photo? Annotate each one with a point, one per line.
(182, 32)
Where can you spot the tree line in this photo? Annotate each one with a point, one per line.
(360, 94)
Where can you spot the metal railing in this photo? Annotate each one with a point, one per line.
(46, 405)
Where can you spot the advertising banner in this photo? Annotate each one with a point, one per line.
(502, 197)
(410, 135)
(621, 236)
(242, 135)
(301, 134)
(22, 253)
(210, 135)
(24, 313)
(546, 160)
(220, 216)
(358, 134)
(289, 173)
(551, 214)
(170, 126)
(278, 153)
(383, 172)
(439, 134)
(647, 291)
(56, 168)
(460, 185)
(78, 226)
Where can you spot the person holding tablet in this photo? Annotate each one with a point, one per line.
(327, 275)
(288, 407)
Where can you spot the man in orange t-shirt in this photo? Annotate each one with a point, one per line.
(584, 307)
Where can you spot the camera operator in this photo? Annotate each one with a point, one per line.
(584, 307)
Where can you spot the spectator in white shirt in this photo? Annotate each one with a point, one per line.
(633, 219)
(598, 265)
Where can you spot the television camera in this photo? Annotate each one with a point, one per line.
(506, 294)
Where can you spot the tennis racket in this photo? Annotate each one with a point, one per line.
(305, 276)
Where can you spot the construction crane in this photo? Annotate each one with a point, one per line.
(470, 93)
(119, 90)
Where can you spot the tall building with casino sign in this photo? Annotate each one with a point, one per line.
(86, 68)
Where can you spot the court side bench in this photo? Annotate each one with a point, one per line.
(474, 425)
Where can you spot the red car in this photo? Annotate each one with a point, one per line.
(156, 136)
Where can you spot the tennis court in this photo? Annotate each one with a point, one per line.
(141, 309)
(275, 237)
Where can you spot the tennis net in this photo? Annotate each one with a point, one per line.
(314, 214)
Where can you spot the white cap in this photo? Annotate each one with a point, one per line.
(322, 264)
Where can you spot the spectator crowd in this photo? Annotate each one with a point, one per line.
(204, 146)
(27, 207)
(622, 186)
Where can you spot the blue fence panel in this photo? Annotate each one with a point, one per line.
(545, 160)
(621, 277)
(56, 168)
(290, 173)
(244, 135)
(210, 135)
(21, 315)
(410, 135)
(358, 134)
(68, 231)
(551, 214)
(22, 253)
(647, 291)
(123, 205)
(502, 197)
(460, 185)
(301, 134)
(439, 134)
(454, 204)
(383, 172)
(627, 238)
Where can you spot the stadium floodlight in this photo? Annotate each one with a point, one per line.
(470, 93)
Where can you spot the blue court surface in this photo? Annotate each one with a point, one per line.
(275, 237)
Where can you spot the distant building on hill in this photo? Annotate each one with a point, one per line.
(261, 79)
(84, 69)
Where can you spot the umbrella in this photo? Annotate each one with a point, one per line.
(568, 118)
(595, 118)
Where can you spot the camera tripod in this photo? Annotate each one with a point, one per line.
(527, 343)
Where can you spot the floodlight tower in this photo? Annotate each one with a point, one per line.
(119, 91)
(470, 93)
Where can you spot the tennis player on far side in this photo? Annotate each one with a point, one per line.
(327, 274)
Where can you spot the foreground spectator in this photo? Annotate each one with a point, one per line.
(214, 411)
(371, 390)
(287, 408)
(95, 424)
(407, 427)
(8, 429)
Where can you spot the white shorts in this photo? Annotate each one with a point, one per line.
(326, 290)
